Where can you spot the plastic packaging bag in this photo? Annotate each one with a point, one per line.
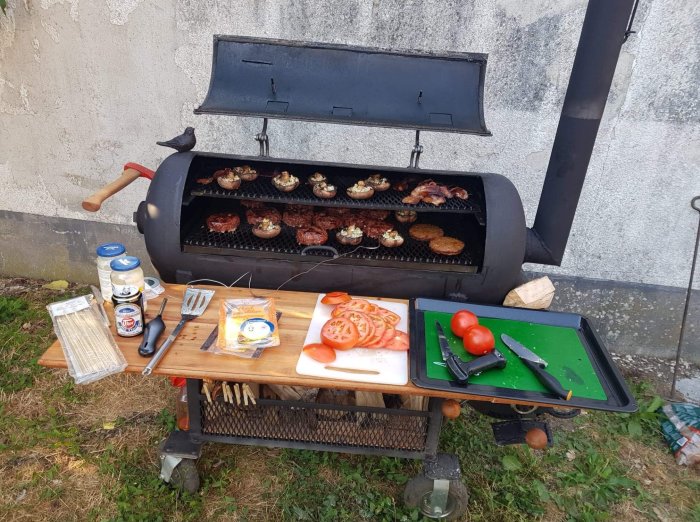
(682, 432)
(247, 326)
(88, 345)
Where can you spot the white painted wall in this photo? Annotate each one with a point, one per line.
(87, 86)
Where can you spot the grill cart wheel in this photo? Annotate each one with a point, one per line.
(178, 457)
(185, 476)
(423, 493)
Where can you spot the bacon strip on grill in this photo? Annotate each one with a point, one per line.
(429, 191)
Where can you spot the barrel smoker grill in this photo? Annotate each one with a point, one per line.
(363, 86)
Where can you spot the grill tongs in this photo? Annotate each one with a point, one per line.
(193, 305)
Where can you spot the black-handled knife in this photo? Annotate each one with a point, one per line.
(463, 370)
(537, 366)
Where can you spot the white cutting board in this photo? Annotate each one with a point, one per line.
(391, 365)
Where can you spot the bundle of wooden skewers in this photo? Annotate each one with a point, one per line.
(88, 345)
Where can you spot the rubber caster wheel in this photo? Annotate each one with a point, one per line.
(185, 476)
(418, 492)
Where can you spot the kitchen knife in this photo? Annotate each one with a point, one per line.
(462, 370)
(537, 366)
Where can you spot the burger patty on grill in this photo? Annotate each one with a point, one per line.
(223, 222)
(308, 236)
(256, 215)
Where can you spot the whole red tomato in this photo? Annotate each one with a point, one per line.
(478, 340)
(462, 321)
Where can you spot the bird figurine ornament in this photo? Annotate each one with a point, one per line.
(182, 143)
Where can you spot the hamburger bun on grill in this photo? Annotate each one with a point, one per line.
(424, 232)
(446, 246)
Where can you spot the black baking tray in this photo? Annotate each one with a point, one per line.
(619, 397)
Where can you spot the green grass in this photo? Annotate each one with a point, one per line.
(25, 333)
(329, 487)
(587, 475)
(20, 348)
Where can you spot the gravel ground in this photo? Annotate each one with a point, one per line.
(659, 372)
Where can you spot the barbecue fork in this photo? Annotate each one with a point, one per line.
(193, 305)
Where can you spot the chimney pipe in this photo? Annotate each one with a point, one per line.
(602, 35)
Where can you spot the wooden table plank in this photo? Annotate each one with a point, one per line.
(276, 365)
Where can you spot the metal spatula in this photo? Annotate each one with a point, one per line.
(193, 305)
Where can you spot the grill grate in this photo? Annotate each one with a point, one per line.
(340, 426)
(263, 190)
(200, 239)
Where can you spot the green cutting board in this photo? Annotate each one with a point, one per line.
(560, 346)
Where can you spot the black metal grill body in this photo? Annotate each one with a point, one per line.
(491, 222)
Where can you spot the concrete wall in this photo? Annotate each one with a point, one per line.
(87, 86)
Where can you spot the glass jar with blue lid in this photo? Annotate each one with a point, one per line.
(126, 277)
(106, 253)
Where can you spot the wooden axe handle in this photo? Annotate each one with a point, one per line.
(94, 202)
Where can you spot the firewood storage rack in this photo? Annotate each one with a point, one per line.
(391, 432)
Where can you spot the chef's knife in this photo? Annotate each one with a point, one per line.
(461, 370)
(537, 366)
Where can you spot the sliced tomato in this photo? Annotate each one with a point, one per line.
(399, 342)
(374, 343)
(389, 334)
(389, 316)
(339, 333)
(379, 329)
(334, 298)
(364, 325)
(320, 352)
(360, 305)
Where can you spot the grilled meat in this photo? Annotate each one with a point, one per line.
(309, 236)
(223, 222)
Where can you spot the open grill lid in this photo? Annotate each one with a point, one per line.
(347, 84)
